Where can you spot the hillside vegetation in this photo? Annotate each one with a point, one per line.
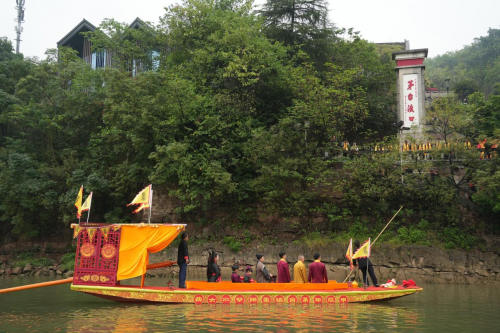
(238, 115)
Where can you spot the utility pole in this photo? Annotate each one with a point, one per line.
(19, 20)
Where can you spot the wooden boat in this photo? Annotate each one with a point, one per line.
(107, 254)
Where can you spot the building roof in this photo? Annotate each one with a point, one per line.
(137, 23)
(83, 25)
(409, 52)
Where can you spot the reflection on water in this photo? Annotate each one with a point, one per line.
(58, 309)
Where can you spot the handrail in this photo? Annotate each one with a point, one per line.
(161, 264)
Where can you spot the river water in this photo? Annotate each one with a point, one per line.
(439, 308)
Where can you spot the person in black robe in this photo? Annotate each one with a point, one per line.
(365, 265)
(183, 259)
(213, 269)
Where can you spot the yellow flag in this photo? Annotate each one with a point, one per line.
(348, 255)
(78, 202)
(142, 198)
(87, 203)
(363, 251)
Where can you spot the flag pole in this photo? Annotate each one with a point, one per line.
(88, 214)
(352, 270)
(150, 202)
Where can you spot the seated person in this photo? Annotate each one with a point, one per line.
(248, 275)
(235, 278)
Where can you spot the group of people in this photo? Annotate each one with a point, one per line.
(317, 269)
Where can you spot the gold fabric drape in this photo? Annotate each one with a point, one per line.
(137, 242)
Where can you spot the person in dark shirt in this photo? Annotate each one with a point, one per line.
(317, 271)
(235, 278)
(213, 269)
(248, 275)
(365, 265)
(183, 259)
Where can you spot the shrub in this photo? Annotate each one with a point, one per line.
(414, 234)
(456, 238)
(68, 261)
(29, 258)
(232, 243)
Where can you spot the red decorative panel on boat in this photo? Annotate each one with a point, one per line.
(97, 251)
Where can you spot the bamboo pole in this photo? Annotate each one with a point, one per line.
(36, 285)
(377, 238)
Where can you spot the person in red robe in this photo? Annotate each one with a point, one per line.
(317, 271)
(283, 270)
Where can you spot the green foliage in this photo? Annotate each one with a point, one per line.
(314, 240)
(211, 107)
(458, 238)
(414, 234)
(474, 68)
(25, 258)
(232, 243)
(68, 261)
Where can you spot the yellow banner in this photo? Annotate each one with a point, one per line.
(363, 251)
(87, 203)
(78, 202)
(348, 254)
(142, 197)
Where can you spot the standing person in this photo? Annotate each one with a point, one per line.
(183, 259)
(283, 270)
(235, 278)
(300, 271)
(317, 271)
(364, 265)
(213, 269)
(261, 274)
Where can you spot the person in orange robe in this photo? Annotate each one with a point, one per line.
(283, 270)
(317, 271)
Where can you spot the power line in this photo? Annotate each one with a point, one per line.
(19, 19)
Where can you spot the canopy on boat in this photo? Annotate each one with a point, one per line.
(138, 241)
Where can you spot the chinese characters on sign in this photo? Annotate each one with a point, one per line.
(410, 93)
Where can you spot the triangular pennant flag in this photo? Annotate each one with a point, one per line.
(363, 251)
(142, 198)
(105, 232)
(91, 233)
(78, 203)
(87, 203)
(76, 231)
(116, 227)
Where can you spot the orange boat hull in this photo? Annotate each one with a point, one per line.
(227, 293)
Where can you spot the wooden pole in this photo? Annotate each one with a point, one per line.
(36, 285)
(377, 237)
(387, 225)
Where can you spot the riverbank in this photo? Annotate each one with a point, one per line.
(424, 264)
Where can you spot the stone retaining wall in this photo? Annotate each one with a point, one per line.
(420, 263)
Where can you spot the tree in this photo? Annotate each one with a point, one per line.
(302, 23)
(449, 119)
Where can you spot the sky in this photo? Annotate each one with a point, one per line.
(440, 25)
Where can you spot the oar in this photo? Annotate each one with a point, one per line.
(36, 285)
(377, 238)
